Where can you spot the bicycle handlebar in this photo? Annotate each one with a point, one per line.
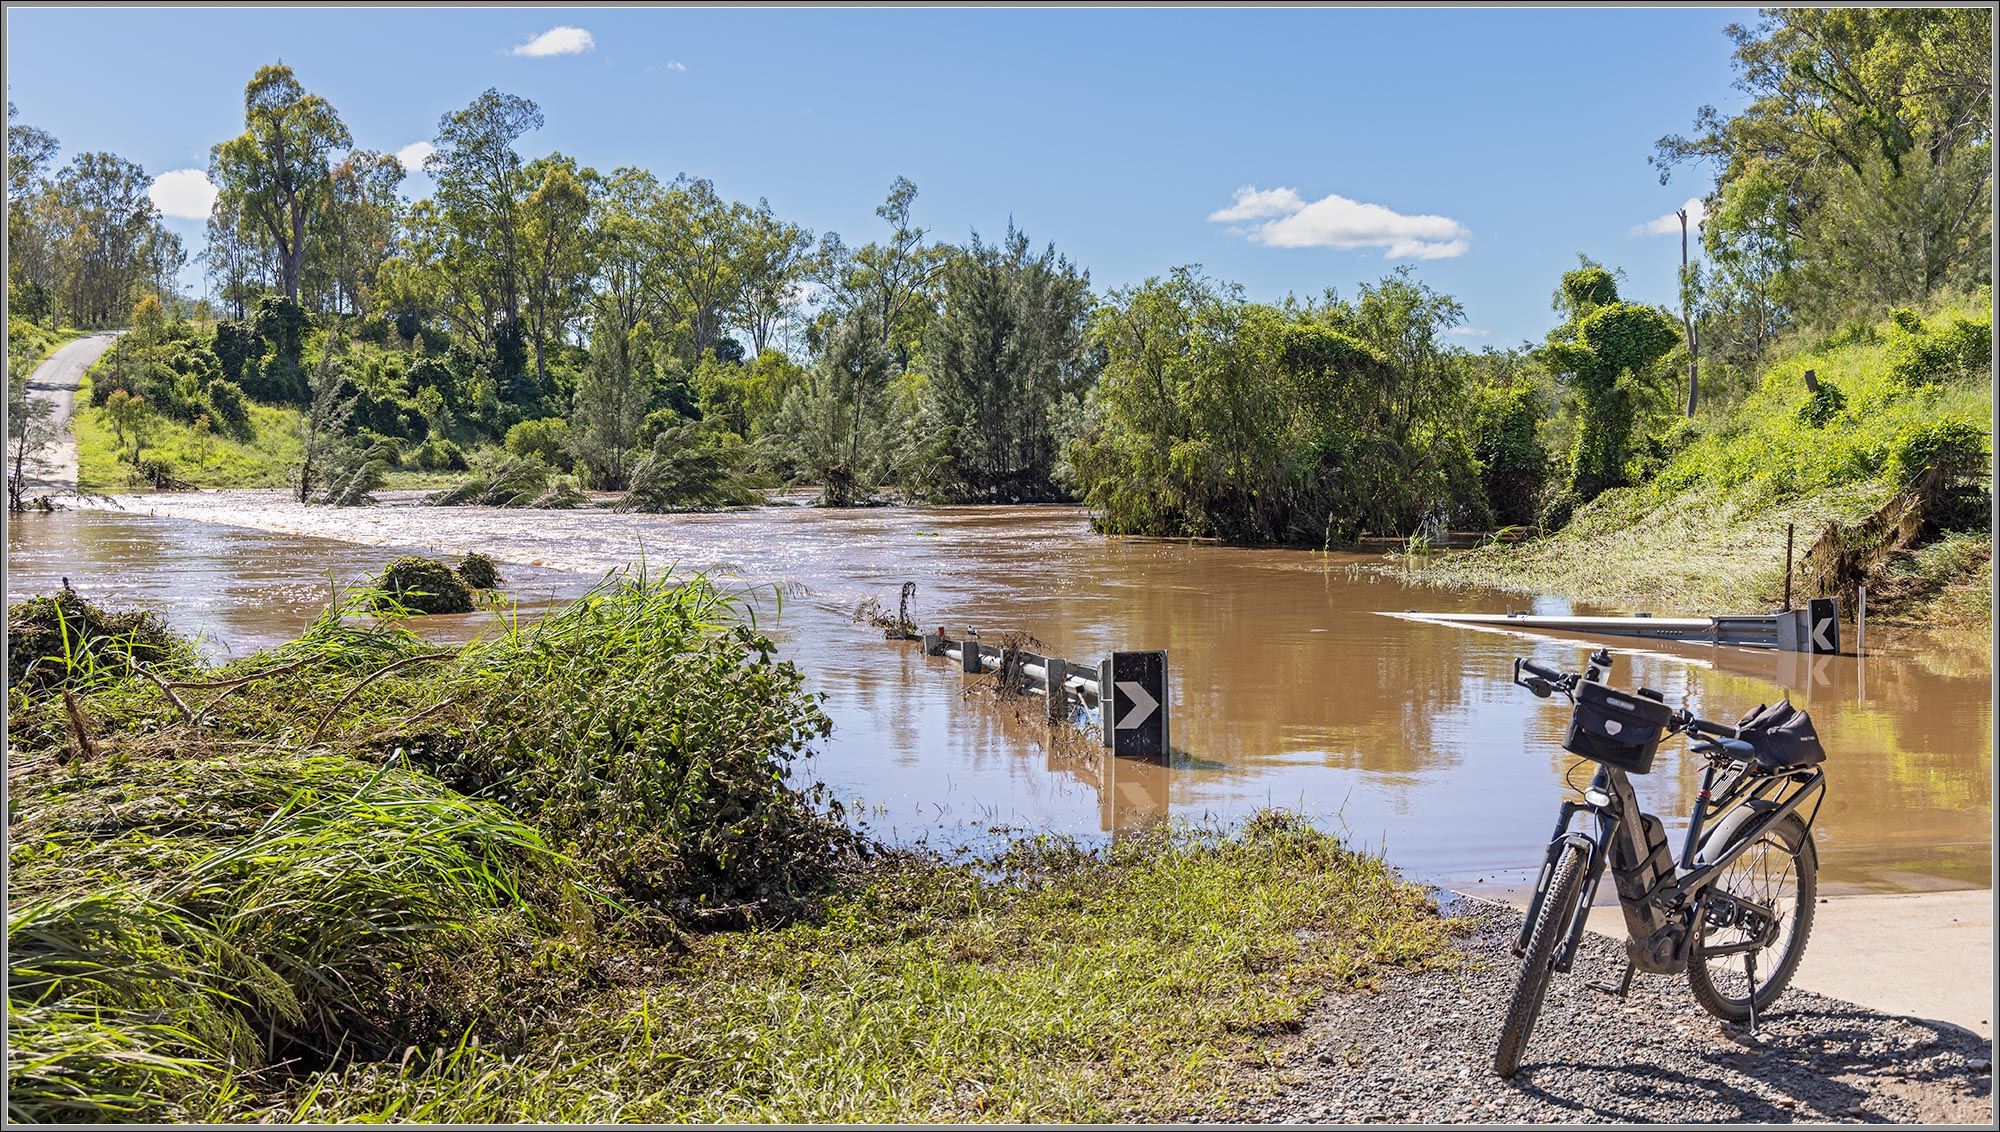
(1544, 681)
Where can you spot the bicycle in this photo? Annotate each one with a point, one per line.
(1741, 895)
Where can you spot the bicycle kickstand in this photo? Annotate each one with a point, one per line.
(1750, 976)
(1624, 986)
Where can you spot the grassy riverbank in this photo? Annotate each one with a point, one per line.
(558, 875)
(205, 459)
(1706, 532)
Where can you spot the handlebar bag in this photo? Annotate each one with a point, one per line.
(1781, 735)
(1620, 729)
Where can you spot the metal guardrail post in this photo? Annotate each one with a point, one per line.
(1058, 678)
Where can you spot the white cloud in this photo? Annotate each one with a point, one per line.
(413, 155)
(556, 41)
(184, 193)
(1254, 204)
(1670, 224)
(676, 65)
(1469, 331)
(1280, 218)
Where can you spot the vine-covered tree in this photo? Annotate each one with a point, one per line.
(1608, 353)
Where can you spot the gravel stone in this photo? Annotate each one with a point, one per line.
(1420, 1048)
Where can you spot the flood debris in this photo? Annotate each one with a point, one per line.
(58, 640)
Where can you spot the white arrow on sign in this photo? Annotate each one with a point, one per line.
(1143, 705)
(1819, 639)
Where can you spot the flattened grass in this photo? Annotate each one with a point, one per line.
(1050, 985)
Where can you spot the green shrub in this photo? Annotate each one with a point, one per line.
(439, 455)
(479, 572)
(546, 439)
(1822, 406)
(424, 585)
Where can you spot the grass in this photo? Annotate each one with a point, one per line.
(1050, 985)
(215, 461)
(558, 874)
(1707, 533)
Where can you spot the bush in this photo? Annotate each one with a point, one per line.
(479, 572)
(439, 455)
(1954, 449)
(424, 585)
(1822, 406)
(546, 439)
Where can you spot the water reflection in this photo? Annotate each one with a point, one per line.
(1287, 687)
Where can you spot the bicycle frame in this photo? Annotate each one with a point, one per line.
(1690, 886)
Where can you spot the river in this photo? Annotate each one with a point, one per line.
(1288, 688)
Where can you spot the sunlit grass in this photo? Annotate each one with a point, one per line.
(216, 460)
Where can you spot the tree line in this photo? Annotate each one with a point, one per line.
(536, 320)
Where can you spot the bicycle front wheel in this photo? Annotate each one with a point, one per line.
(1780, 871)
(1551, 927)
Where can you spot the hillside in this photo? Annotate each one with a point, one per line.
(1706, 532)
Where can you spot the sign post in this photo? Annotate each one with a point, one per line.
(1822, 626)
(1132, 687)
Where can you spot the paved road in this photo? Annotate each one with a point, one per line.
(55, 381)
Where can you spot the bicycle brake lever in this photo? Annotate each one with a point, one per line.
(1539, 687)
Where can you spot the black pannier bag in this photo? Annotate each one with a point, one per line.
(1617, 728)
(1782, 735)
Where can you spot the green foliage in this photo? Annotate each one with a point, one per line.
(546, 439)
(1609, 355)
(1512, 465)
(423, 585)
(1856, 177)
(1250, 423)
(1005, 354)
(1952, 449)
(1822, 405)
(689, 468)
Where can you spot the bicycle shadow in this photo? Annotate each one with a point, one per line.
(1820, 1060)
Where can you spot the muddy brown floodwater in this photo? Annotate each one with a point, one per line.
(1288, 688)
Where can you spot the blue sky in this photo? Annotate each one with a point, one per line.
(1485, 147)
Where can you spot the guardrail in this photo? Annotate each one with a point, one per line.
(1133, 715)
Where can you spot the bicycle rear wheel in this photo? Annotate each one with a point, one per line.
(1551, 927)
(1780, 871)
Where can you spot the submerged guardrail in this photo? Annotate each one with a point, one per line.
(1133, 715)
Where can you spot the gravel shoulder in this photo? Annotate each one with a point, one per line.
(1420, 1048)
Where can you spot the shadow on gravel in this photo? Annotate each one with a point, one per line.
(1421, 1049)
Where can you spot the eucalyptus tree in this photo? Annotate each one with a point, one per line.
(110, 242)
(698, 239)
(31, 269)
(556, 252)
(773, 262)
(279, 170)
(1858, 172)
(239, 261)
(482, 192)
(359, 231)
